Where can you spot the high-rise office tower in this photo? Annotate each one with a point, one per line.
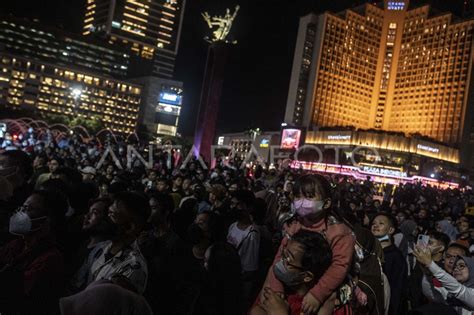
(387, 67)
(52, 72)
(30, 39)
(151, 29)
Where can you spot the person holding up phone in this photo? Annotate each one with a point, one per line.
(438, 243)
(457, 289)
(423, 241)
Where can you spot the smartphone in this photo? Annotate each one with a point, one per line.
(423, 240)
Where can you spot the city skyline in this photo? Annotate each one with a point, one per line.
(255, 92)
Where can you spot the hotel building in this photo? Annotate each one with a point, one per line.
(397, 76)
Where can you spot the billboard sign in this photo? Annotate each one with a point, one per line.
(170, 98)
(220, 141)
(290, 138)
(264, 143)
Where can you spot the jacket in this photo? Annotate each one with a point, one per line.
(450, 287)
(342, 242)
(129, 262)
(396, 269)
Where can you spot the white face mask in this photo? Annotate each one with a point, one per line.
(21, 223)
(305, 207)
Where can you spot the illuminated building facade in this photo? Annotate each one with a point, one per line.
(32, 40)
(263, 147)
(29, 84)
(386, 68)
(162, 100)
(151, 29)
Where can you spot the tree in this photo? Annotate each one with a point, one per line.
(93, 125)
(52, 119)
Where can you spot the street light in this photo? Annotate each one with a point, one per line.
(76, 93)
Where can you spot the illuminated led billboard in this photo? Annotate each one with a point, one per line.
(170, 98)
(290, 138)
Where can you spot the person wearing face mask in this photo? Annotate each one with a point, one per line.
(312, 206)
(395, 266)
(15, 169)
(31, 266)
(438, 244)
(304, 259)
(457, 289)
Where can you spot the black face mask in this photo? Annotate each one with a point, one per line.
(288, 278)
(195, 234)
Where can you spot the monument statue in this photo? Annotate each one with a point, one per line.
(214, 73)
(223, 24)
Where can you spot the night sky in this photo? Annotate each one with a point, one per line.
(258, 73)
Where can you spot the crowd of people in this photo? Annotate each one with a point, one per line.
(81, 235)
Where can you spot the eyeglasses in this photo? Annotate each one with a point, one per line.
(286, 259)
(460, 267)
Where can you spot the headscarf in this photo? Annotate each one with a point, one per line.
(469, 283)
(448, 229)
(470, 265)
